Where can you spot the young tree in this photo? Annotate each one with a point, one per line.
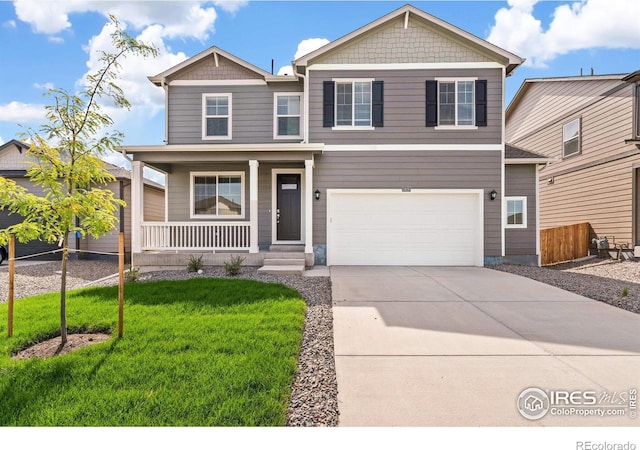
(67, 166)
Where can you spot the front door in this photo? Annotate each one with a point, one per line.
(288, 210)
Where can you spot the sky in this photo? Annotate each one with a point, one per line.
(55, 43)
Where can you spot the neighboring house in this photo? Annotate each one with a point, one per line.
(385, 148)
(14, 164)
(590, 127)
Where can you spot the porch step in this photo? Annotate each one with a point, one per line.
(287, 248)
(293, 269)
(284, 261)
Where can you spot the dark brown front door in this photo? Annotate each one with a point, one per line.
(288, 209)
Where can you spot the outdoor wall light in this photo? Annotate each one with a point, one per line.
(493, 194)
(317, 194)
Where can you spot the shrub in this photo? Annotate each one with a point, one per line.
(195, 264)
(232, 267)
(625, 291)
(131, 276)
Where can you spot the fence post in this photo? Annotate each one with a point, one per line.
(121, 283)
(12, 256)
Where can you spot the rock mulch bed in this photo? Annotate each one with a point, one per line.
(314, 397)
(613, 282)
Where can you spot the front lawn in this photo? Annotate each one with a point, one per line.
(205, 352)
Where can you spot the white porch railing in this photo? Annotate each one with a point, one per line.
(196, 236)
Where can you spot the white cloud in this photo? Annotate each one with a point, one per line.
(285, 70)
(55, 39)
(581, 25)
(304, 47)
(1, 140)
(308, 45)
(231, 5)
(22, 113)
(179, 18)
(145, 98)
(45, 86)
(10, 24)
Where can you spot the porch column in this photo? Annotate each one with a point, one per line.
(253, 205)
(137, 208)
(308, 211)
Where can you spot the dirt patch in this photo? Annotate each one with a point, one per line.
(51, 347)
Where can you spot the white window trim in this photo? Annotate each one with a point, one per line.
(353, 104)
(192, 213)
(276, 136)
(456, 127)
(524, 212)
(204, 117)
(579, 120)
(637, 111)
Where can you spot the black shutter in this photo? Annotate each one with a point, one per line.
(481, 103)
(328, 90)
(432, 103)
(377, 94)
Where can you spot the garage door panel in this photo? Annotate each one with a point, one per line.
(403, 229)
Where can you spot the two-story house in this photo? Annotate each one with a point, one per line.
(590, 127)
(386, 147)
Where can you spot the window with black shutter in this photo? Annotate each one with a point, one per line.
(456, 103)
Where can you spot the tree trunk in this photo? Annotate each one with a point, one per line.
(63, 290)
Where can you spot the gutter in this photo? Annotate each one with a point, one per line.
(305, 95)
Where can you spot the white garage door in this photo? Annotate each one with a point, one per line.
(441, 228)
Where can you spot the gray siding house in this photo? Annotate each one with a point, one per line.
(14, 164)
(590, 128)
(385, 147)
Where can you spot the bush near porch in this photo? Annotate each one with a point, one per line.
(198, 352)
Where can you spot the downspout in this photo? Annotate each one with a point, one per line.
(305, 96)
(166, 108)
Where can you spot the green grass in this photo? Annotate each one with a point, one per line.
(197, 352)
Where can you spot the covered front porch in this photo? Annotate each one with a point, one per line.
(225, 200)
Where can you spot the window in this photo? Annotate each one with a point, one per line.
(287, 116)
(516, 212)
(353, 104)
(217, 195)
(571, 138)
(216, 116)
(456, 103)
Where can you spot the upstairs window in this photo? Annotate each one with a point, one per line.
(216, 116)
(571, 138)
(353, 104)
(288, 109)
(456, 103)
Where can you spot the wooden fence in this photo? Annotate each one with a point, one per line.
(564, 243)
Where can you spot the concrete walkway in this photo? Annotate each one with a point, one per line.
(431, 346)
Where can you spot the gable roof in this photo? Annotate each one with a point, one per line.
(513, 60)
(14, 142)
(215, 52)
(526, 84)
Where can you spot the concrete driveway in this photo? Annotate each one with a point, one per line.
(432, 346)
